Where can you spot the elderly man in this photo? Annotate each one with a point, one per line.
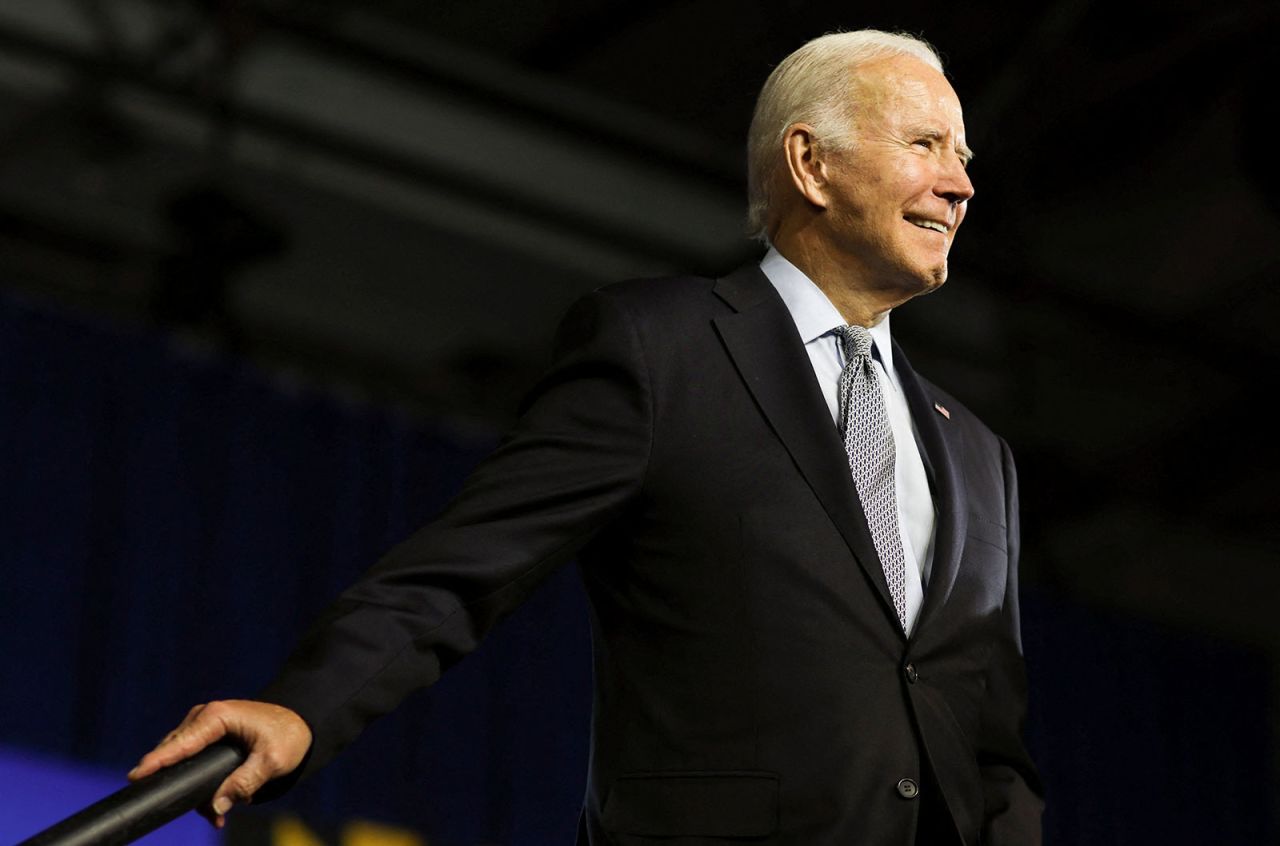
(801, 556)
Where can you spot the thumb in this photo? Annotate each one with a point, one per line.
(242, 784)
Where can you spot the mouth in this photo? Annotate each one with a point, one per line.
(926, 223)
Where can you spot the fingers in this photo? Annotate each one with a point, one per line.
(195, 732)
(276, 738)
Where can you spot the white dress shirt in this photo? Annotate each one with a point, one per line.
(817, 319)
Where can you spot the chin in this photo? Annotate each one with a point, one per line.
(929, 280)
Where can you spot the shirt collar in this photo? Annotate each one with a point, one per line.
(813, 313)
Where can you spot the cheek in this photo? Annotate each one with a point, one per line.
(912, 188)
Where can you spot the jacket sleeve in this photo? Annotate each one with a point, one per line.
(1010, 784)
(574, 460)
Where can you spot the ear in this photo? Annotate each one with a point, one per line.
(805, 164)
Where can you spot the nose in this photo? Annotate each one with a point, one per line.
(953, 182)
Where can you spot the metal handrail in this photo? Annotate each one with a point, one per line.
(145, 805)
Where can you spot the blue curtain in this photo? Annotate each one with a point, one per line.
(171, 520)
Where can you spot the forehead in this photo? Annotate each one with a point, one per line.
(903, 89)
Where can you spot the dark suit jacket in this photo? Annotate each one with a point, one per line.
(751, 678)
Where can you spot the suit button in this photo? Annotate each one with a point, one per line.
(912, 675)
(908, 789)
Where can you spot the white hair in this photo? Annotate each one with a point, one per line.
(812, 86)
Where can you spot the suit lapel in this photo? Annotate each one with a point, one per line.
(944, 445)
(761, 339)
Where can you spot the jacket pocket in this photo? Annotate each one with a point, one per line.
(693, 804)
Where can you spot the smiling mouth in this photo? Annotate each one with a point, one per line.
(923, 223)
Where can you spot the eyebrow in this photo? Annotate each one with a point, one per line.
(934, 135)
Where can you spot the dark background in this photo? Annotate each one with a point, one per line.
(376, 211)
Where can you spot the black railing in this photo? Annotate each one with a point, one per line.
(145, 805)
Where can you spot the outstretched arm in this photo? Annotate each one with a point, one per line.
(573, 462)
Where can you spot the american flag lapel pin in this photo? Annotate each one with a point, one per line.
(942, 409)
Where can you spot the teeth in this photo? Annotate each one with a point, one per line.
(930, 224)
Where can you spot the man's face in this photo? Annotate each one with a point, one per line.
(897, 195)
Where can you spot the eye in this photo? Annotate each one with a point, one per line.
(927, 143)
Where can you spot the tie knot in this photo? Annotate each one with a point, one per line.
(856, 340)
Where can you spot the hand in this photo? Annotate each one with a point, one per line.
(275, 737)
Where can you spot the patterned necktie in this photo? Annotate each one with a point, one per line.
(868, 440)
